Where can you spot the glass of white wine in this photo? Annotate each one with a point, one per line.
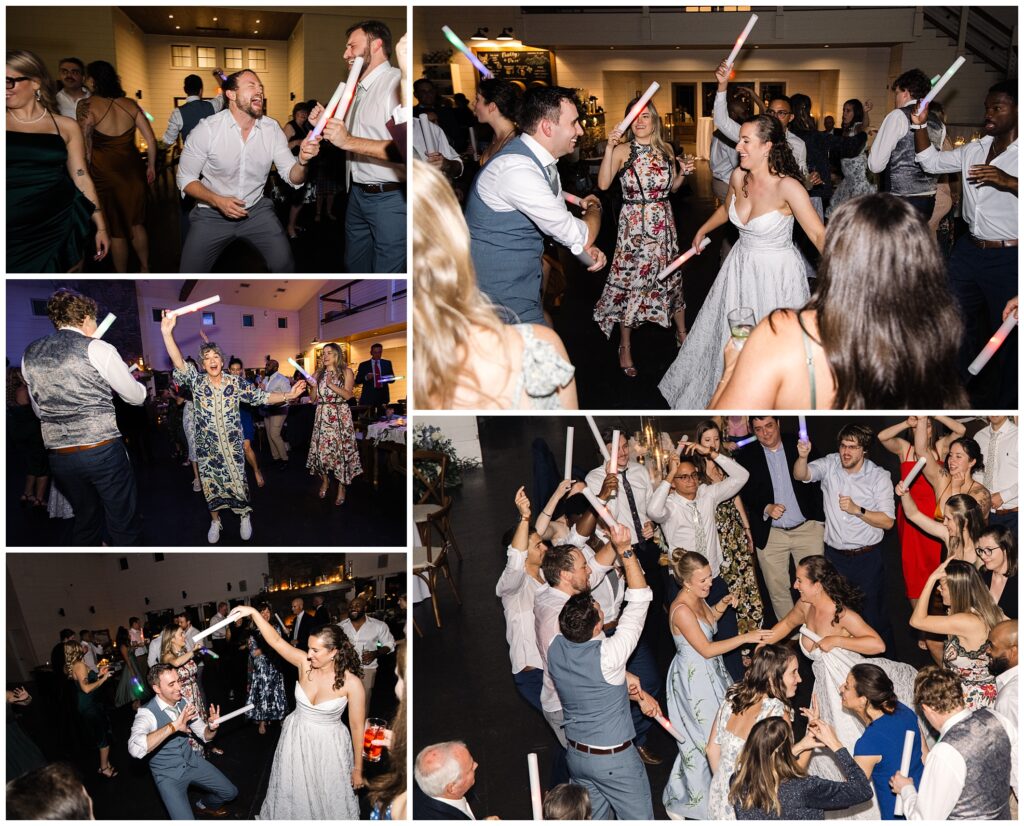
(741, 324)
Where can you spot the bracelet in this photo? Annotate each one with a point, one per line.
(917, 127)
(524, 518)
(548, 515)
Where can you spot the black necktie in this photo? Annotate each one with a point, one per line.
(632, 508)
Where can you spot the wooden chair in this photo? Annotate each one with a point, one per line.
(433, 499)
(428, 562)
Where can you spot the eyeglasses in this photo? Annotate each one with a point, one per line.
(71, 71)
(14, 81)
(777, 113)
(686, 476)
(982, 551)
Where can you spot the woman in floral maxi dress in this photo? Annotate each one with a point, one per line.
(333, 449)
(266, 685)
(649, 172)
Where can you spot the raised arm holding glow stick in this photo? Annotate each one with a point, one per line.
(305, 375)
(535, 790)
(952, 70)
(597, 437)
(803, 427)
(599, 507)
(993, 345)
(569, 431)
(191, 308)
(104, 325)
(916, 469)
(458, 44)
(613, 459)
(741, 40)
(637, 107)
(231, 617)
(682, 259)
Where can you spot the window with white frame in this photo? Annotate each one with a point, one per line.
(181, 56)
(258, 60)
(233, 59)
(206, 57)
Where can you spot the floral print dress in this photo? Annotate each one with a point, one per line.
(333, 448)
(646, 243)
(266, 688)
(192, 694)
(972, 668)
(738, 566)
(218, 436)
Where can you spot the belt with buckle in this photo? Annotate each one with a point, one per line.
(591, 750)
(992, 245)
(377, 188)
(854, 551)
(792, 528)
(1001, 511)
(81, 448)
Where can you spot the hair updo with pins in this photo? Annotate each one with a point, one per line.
(686, 563)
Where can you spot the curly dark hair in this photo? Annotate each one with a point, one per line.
(973, 451)
(781, 162)
(914, 81)
(334, 639)
(502, 93)
(106, 81)
(822, 572)
(68, 308)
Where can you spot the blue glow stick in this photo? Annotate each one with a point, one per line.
(458, 44)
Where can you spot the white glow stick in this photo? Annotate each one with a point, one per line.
(613, 460)
(993, 345)
(908, 748)
(803, 427)
(283, 626)
(225, 717)
(332, 104)
(746, 441)
(952, 70)
(916, 469)
(389, 379)
(535, 794)
(585, 259)
(741, 40)
(104, 325)
(191, 308)
(684, 440)
(133, 368)
(597, 437)
(472, 143)
(638, 107)
(306, 375)
(569, 431)
(599, 508)
(665, 724)
(350, 88)
(231, 617)
(575, 200)
(428, 138)
(682, 259)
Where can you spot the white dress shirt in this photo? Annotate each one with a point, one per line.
(640, 482)
(216, 155)
(190, 637)
(1007, 698)
(990, 212)
(220, 633)
(373, 634)
(1002, 476)
(461, 804)
(435, 138)
(513, 182)
(67, 105)
(945, 773)
(154, 651)
(175, 123)
(277, 383)
(90, 652)
(137, 641)
(373, 106)
(724, 159)
(893, 127)
(870, 487)
(678, 516)
(731, 129)
(145, 724)
(516, 589)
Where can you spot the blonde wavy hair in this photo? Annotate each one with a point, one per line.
(448, 302)
(31, 66)
(167, 648)
(658, 143)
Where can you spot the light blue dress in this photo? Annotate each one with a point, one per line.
(694, 692)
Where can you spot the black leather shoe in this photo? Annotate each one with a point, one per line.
(648, 757)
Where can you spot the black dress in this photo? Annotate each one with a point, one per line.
(1008, 601)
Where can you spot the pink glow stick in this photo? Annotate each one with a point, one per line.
(350, 89)
(235, 713)
(741, 40)
(682, 259)
(638, 107)
(599, 508)
(191, 308)
(572, 199)
(994, 343)
(613, 460)
(684, 440)
(665, 724)
(569, 432)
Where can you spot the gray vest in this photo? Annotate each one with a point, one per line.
(191, 113)
(174, 756)
(595, 711)
(985, 747)
(506, 246)
(75, 402)
(903, 174)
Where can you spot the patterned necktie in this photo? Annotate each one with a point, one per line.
(990, 461)
(698, 530)
(637, 524)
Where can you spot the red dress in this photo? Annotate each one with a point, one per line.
(921, 554)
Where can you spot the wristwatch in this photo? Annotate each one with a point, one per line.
(628, 554)
(863, 510)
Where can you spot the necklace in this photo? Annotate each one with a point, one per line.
(33, 120)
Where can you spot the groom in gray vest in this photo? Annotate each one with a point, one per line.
(517, 199)
(164, 729)
(589, 671)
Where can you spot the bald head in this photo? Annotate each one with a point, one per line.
(445, 770)
(1003, 647)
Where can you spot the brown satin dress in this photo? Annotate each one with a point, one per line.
(120, 177)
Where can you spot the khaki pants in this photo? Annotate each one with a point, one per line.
(806, 540)
(278, 447)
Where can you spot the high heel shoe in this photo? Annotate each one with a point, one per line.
(629, 370)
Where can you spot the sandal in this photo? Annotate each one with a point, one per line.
(340, 500)
(109, 772)
(629, 370)
(323, 489)
(217, 751)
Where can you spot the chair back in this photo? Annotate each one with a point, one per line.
(429, 468)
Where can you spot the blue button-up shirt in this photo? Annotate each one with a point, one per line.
(782, 486)
(870, 487)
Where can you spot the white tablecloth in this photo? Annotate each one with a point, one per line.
(385, 432)
(705, 128)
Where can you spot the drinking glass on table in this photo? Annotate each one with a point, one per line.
(374, 730)
(741, 324)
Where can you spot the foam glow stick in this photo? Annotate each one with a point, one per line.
(585, 259)
(665, 724)
(389, 379)
(332, 104)
(746, 441)
(935, 79)
(281, 621)
(428, 139)
(569, 431)
(597, 437)
(191, 308)
(231, 617)
(133, 368)
(458, 44)
(233, 714)
(952, 70)
(350, 89)
(916, 469)
(599, 508)
(684, 440)
(993, 345)
(104, 325)
(149, 117)
(472, 143)
(908, 748)
(638, 107)
(613, 460)
(572, 199)
(306, 375)
(741, 40)
(209, 653)
(535, 794)
(682, 259)
(803, 427)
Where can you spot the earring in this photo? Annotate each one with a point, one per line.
(38, 95)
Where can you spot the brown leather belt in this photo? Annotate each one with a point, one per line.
(376, 188)
(854, 551)
(992, 245)
(591, 750)
(81, 448)
(1001, 511)
(780, 528)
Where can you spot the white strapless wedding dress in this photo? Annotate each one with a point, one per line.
(764, 271)
(312, 774)
(830, 671)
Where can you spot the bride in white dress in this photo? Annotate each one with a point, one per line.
(835, 638)
(764, 270)
(318, 761)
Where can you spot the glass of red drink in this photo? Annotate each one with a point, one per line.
(374, 730)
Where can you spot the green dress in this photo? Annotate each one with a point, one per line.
(738, 567)
(93, 715)
(48, 219)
